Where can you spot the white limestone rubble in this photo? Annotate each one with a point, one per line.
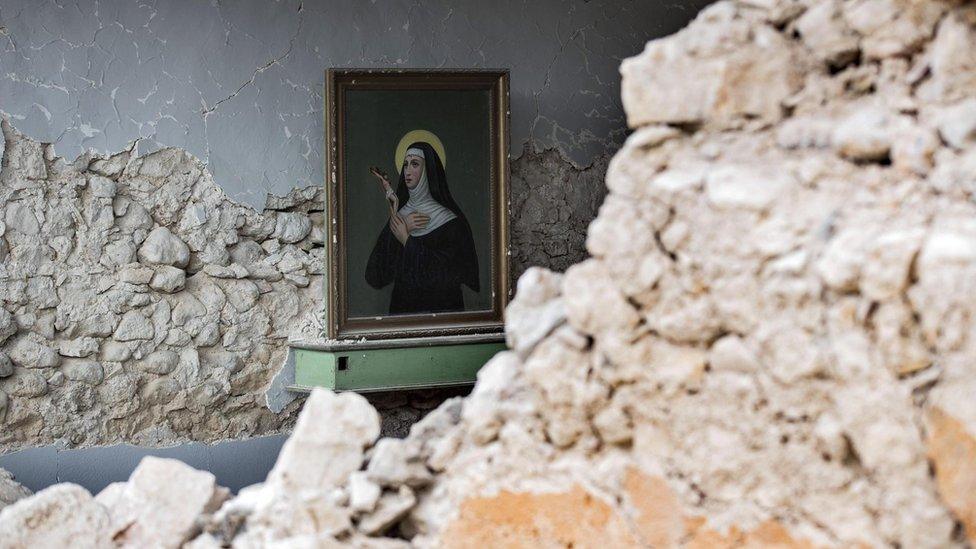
(772, 343)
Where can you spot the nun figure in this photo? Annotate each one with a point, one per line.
(426, 250)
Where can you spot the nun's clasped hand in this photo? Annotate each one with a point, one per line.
(416, 220)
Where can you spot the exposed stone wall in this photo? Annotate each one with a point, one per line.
(139, 304)
(771, 345)
(553, 202)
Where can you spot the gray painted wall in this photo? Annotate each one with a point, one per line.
(236, 463)
(239, 83)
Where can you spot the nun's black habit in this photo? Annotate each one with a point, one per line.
(427, 272)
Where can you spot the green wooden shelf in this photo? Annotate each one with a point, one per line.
(392, 365)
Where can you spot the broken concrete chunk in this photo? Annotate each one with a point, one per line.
(535, 313)
(64, 515)
(363, 493)
(397, 462)
(957, 124)
(697, 77)
(866, 134)
(391, 507)
(320, 454)
(162, 505)
(745, 187)
(731, 354)
(826, 33)
(11, 491)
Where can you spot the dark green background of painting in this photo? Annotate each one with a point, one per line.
(375, 120)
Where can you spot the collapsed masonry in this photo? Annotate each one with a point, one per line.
(772, 343)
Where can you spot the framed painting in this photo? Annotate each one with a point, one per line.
(417, 203)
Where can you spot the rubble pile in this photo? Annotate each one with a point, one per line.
(772, 342)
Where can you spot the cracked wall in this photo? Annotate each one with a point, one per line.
(552, 204)
(202, 76)
(772, 343)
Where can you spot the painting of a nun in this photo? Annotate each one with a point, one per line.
(425, 249)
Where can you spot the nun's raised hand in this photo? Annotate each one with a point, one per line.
(399, 229)
(416, 221)
(392, 203)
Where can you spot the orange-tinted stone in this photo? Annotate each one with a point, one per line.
(952, 448)
(578, 519)
(660, 520)
(662, 523)
(768, 535)
(520, 520)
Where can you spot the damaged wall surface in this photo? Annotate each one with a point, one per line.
(772, 343)
(205, 76)
(177, 227)
(141, 305)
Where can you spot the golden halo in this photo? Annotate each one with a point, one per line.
(413, 136)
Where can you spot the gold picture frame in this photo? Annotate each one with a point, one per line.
(366, 111)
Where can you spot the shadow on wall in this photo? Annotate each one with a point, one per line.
(235, 463)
